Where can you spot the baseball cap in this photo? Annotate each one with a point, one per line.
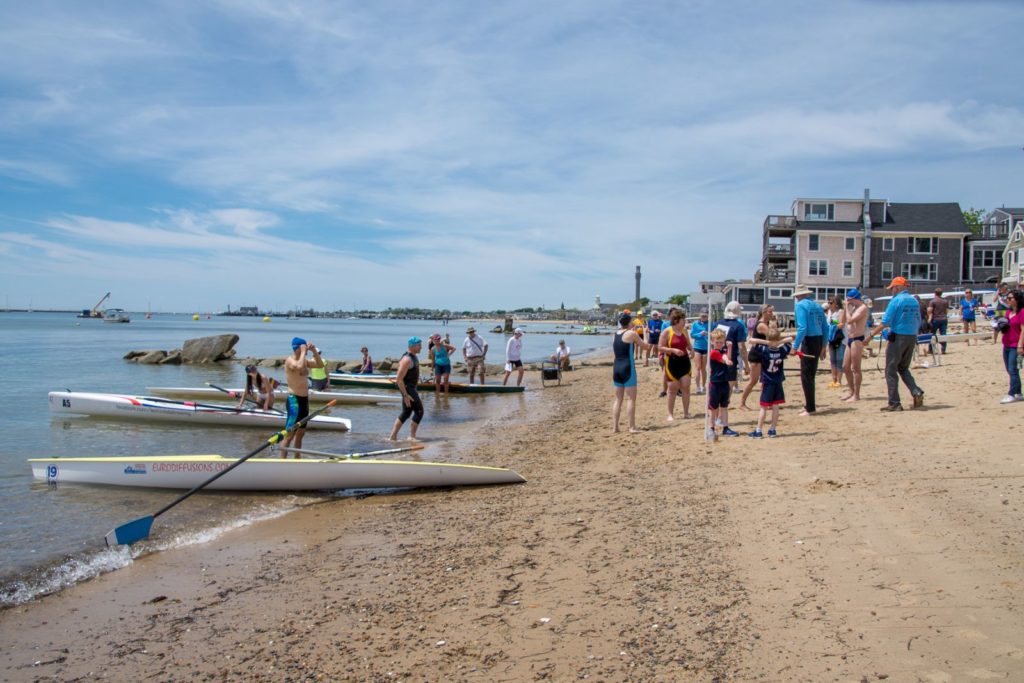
(518, 330)
(897, 282)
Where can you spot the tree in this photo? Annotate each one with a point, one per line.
(678, 299)
(973, 218)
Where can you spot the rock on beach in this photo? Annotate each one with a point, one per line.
(200, 350)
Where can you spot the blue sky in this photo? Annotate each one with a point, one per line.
(193, 155)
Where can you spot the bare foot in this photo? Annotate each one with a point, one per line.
(846, 398)
(851, 399)
(634, 430)
(670, 419)
(687, 416)
(743, 406)
(804, 413)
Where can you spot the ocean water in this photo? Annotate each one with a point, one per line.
(53, 536)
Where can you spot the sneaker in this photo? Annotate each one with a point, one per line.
(1009, 398)
(728, 432)
(1019, 397)
(772, 434)
(892, 408)
(919, 401)
(756, 434)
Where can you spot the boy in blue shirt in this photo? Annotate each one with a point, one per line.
(719, 386)
(772, 376)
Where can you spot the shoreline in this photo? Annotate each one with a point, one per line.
(857, 545)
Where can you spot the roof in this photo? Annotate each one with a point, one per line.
(946, 217)
(1016, 213)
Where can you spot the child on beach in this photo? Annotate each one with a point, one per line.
(720, 384)
(773, 354)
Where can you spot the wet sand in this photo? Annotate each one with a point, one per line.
(857, 546)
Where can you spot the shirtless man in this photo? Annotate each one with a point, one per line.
(296, 372)
(855, 316)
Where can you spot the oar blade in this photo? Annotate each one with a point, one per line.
(130, 533)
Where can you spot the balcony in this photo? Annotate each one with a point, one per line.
(786, 250)
(779, 276)
(780, 223)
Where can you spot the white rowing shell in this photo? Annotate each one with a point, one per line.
(211, 394)
(265, 474)
(165, 410)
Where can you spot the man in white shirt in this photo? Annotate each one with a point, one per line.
(474, 353)
(561, 355)
(514, 356)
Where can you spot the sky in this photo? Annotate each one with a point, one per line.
(191, 156)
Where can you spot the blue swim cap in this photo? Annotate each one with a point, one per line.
(297, 342)
(413, 341)
(853, 294)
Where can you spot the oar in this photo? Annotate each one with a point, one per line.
(234, 394)
(132, 532)
(212, 406)
(352, 456)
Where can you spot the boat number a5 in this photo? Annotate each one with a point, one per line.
(65, 403)
(51, 473)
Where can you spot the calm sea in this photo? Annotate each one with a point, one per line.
(53, 537)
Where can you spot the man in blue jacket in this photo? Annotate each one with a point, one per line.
(903, 318)
(811, 325)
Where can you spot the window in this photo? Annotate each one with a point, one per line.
(779, 292)
(851, 244)
(817, 267)
(750, 296)
(887, 271)
(823, 293)
(988, 258)
(920, 271)
(847, 268)
(813, 242)
(888, 244)
(923, 245)
(819, 212)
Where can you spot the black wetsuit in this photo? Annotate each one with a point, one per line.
(411, 379)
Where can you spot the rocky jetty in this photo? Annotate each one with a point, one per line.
(213, 349)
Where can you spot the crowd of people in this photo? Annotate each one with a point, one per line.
(706, 357)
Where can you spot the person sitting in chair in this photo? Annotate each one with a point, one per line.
(561, 355)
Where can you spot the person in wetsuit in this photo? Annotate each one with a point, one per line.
(407, 378)
(675, 344)
(624, 341)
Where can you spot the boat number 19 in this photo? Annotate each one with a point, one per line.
(51, 473)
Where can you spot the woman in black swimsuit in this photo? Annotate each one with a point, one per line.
(624, 371)
(765, 319)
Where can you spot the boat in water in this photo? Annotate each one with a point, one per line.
(378, 382)
(153, 408)
(265, 474)
(211, 394)
(116, 315)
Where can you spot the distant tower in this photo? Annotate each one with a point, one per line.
(597, 302)
(637, 298)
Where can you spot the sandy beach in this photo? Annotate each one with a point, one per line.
(858, 546)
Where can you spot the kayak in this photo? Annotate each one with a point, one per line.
(366, 381)
(168, 410)
(211, 394)
(265, 474)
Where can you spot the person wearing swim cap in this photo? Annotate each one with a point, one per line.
(296, 372)
(407, 379)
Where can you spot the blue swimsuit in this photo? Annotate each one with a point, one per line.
(623, 369)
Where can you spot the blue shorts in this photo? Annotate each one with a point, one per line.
(968, 317)
(772, 394)
(719, 394)
(442, 369)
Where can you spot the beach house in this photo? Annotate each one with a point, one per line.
(983, 262)
(834, 244)
(1013, 256)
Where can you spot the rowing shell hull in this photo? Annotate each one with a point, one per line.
(210, 394)
(163, 410)
(265, 474)
(454, 387)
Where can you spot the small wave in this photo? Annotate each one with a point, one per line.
(73, 570)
